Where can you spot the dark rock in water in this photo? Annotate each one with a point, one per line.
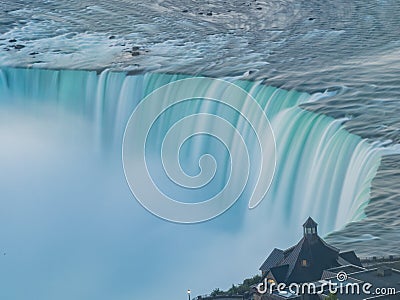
(135, 51)
(18, 47)
(33, 53)
(209, 13)
(248, 73)
(200, 13)
(12, 40)
(135, 72)
(185, 11)
(111, 37)
(259, 8)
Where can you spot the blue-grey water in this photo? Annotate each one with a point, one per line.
(69, 225)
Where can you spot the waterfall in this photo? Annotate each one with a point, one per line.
(321, 169)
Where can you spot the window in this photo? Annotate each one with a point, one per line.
(304, 263)
(310, 230)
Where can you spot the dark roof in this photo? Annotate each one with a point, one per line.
(329, 246)
(310, 223)
(273, 260)
(279, 273)
(328, 274)
(320, 255)
(316, 254)
(351, 258)
(279, 257)
(348, 269)
(289, 250)
(377, 281)
(292, 258)
(372, 276)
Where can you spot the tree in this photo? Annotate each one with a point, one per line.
(332, 297)
(239, 289)
(217, 292)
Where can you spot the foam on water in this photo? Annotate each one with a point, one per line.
(345, 55)
(321, 170)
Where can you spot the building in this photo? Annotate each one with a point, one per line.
(307, 260)
(382, 283)
(313, 270)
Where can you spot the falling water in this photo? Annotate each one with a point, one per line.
(321, 170)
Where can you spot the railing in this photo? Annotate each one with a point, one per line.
(380, 259)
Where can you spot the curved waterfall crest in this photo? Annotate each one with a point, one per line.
(321, 168)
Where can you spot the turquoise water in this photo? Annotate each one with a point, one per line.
(70, 125)
(308, 179)
(70, 226)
